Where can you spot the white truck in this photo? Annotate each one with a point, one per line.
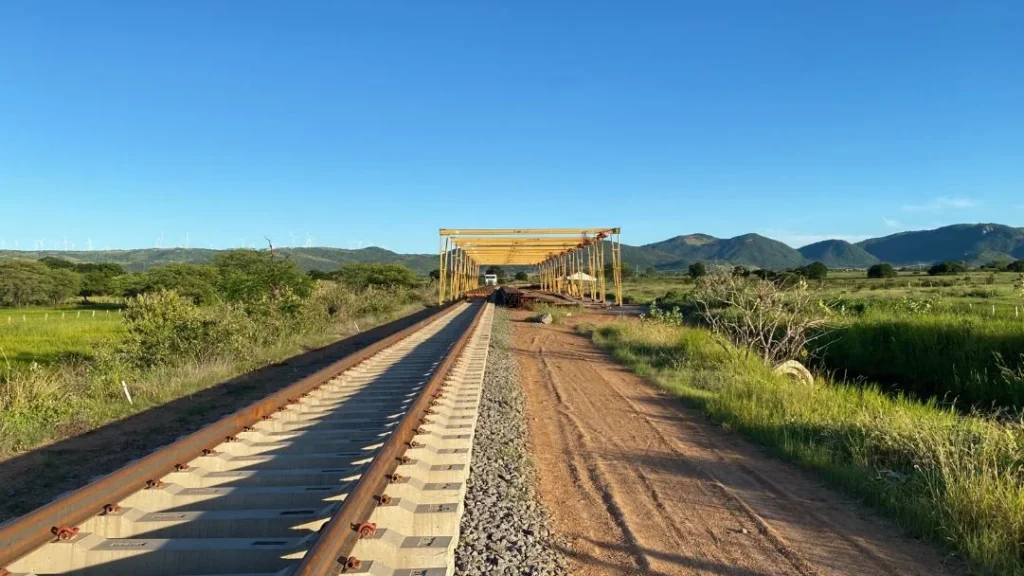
(491, 279)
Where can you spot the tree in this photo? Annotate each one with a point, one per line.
(497, 271)
(950, 267)
(24, 282)
(740, 271)
(1017, 266)
(98, 279)
(106, 268)
(194, 282)
(65, 284)
(813, 271)
(698, 269)
(609, 270)
(881, 271)
(57, 263)
(763, 317)
(251, 275)
(364, 275)
(522, 276)
(435, 274)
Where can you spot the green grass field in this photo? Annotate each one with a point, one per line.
(957, 338)
(45, 335)
(976, 292)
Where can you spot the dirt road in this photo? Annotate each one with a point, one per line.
(640, 484)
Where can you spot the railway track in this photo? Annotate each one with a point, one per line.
(359, 468)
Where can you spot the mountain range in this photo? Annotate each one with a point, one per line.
(973, 243)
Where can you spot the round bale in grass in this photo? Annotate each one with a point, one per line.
(796, 371)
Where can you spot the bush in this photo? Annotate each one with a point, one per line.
(1017, 266)
(164, 328)
(947, 268)
(765, 317)
(881, 271)
(813, 271)
(195, 282)
(522, 276)
(697, 269)
(25, 282)
(247, 276)
(361, 276)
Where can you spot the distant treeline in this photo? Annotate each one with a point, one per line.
(232, 276)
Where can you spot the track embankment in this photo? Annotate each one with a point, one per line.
(33, 478)
(364, 469)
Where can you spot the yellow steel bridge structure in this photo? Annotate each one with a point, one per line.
(569, 261)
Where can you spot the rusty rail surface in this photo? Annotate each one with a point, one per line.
(22, 535)
(338, 537)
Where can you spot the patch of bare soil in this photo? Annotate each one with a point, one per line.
(640, 484)
(34, 478)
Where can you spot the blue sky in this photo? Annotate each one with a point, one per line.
(353, 123)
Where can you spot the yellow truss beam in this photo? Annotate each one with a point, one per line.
(568, 260)
(525, 231)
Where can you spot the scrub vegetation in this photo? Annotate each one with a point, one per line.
(958, 338)
(164, 333)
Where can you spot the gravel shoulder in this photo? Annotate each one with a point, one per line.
(638, 483)
(504, 530)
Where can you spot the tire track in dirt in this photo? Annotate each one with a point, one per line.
(660, 490)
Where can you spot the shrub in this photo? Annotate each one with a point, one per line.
(881, 271)
(760, 316)
(697, 269)
(948, 268)
(164, 328)
(25, 282)
(813, 271)
(247, 276)
(1017, 266)
(360, 276)
(195, 282)
(522, 276)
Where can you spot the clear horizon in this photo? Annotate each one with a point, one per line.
(130, 126)
(57, 246)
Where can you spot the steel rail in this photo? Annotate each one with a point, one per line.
(24, 534)
(338, 537)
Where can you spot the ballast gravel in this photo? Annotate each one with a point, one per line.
(504, 527)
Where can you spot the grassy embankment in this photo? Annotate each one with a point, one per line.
(953, 478)
(62, 376)
(930, 336)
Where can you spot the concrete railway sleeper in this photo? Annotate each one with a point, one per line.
(360, 468)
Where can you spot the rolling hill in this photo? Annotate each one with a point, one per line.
(838, 254)
(747, 250)
(974, 243)
(305, 258)
(957, 242)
